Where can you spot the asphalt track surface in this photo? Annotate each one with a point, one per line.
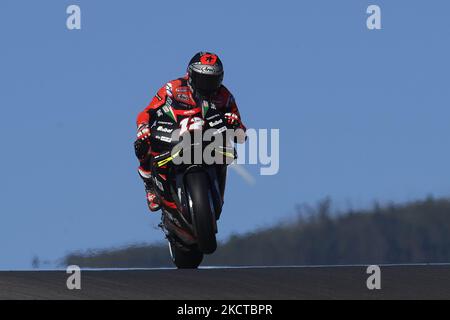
(272, 283)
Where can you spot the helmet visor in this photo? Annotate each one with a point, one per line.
(206, 83)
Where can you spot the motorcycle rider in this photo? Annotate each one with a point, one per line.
(203, 81)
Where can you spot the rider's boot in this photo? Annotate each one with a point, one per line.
(152, 198)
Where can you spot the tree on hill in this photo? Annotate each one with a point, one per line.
(417, 232)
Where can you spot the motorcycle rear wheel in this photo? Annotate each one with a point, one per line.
(182, 259)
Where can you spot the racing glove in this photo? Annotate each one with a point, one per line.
(143, 132)
(142, 143)
(233, 120)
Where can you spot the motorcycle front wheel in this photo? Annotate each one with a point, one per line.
(202, 210)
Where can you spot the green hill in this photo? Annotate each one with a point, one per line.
(417, 232)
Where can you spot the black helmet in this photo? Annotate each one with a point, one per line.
(205, 73)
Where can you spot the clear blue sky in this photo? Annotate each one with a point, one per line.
(363, 115)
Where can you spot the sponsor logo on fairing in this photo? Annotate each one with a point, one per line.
(223, 129)
(164, 129)
(215, 123)
(213, 117)
(165, 123)
(189, 112)
(165, 139)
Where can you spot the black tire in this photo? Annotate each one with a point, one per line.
(202, 211)
(185, 259)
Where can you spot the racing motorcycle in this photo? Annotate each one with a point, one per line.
(190, 192)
